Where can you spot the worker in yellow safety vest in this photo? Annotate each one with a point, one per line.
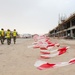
(2, 36)
(8, 36)
(14, 35)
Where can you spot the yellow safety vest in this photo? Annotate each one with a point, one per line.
(2, 32)
(8, 34)
(14, 33)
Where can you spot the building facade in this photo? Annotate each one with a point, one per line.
(64, 29)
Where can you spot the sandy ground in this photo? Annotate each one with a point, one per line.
(18, 59)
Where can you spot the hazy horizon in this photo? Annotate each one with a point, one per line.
(33, 16)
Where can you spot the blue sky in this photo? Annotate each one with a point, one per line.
(34, 16)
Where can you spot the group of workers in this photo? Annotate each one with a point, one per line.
(8, 35)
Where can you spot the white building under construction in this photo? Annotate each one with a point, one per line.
(65, 29)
